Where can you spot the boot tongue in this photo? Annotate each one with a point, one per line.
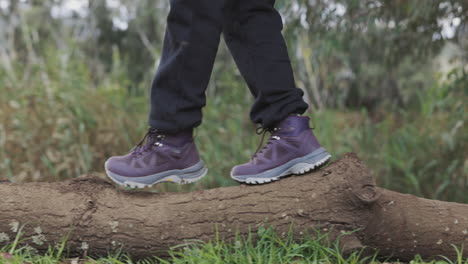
(292, 125)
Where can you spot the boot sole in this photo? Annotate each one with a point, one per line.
(184, 176)
(299, 166)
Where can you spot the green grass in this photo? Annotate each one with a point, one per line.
(268, 247)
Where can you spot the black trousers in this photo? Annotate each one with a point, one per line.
(252, 31)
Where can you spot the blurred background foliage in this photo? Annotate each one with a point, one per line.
(385, 78)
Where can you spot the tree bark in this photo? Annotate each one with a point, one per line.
(340, 197)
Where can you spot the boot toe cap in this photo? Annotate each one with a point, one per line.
(241, 172)
(118, 165)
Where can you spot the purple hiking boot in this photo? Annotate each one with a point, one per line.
(158, 158)
(291, 149)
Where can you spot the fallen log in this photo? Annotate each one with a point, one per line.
(340, 197)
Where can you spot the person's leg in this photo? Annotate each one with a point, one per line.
(252, 32)
(190, 46)
(168, 152)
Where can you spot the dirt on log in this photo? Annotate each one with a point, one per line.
(341, 197)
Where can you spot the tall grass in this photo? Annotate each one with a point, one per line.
(69, 127)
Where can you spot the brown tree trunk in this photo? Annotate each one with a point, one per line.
(340, 197)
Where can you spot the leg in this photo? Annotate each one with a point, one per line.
(190, 46)
(253, 34)
(252, 31)
(168, 153)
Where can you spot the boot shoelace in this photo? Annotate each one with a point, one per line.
(152, 137)
(262, 131)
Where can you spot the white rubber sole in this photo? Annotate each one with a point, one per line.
(297, 169)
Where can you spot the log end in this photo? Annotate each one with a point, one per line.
(362, 188)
